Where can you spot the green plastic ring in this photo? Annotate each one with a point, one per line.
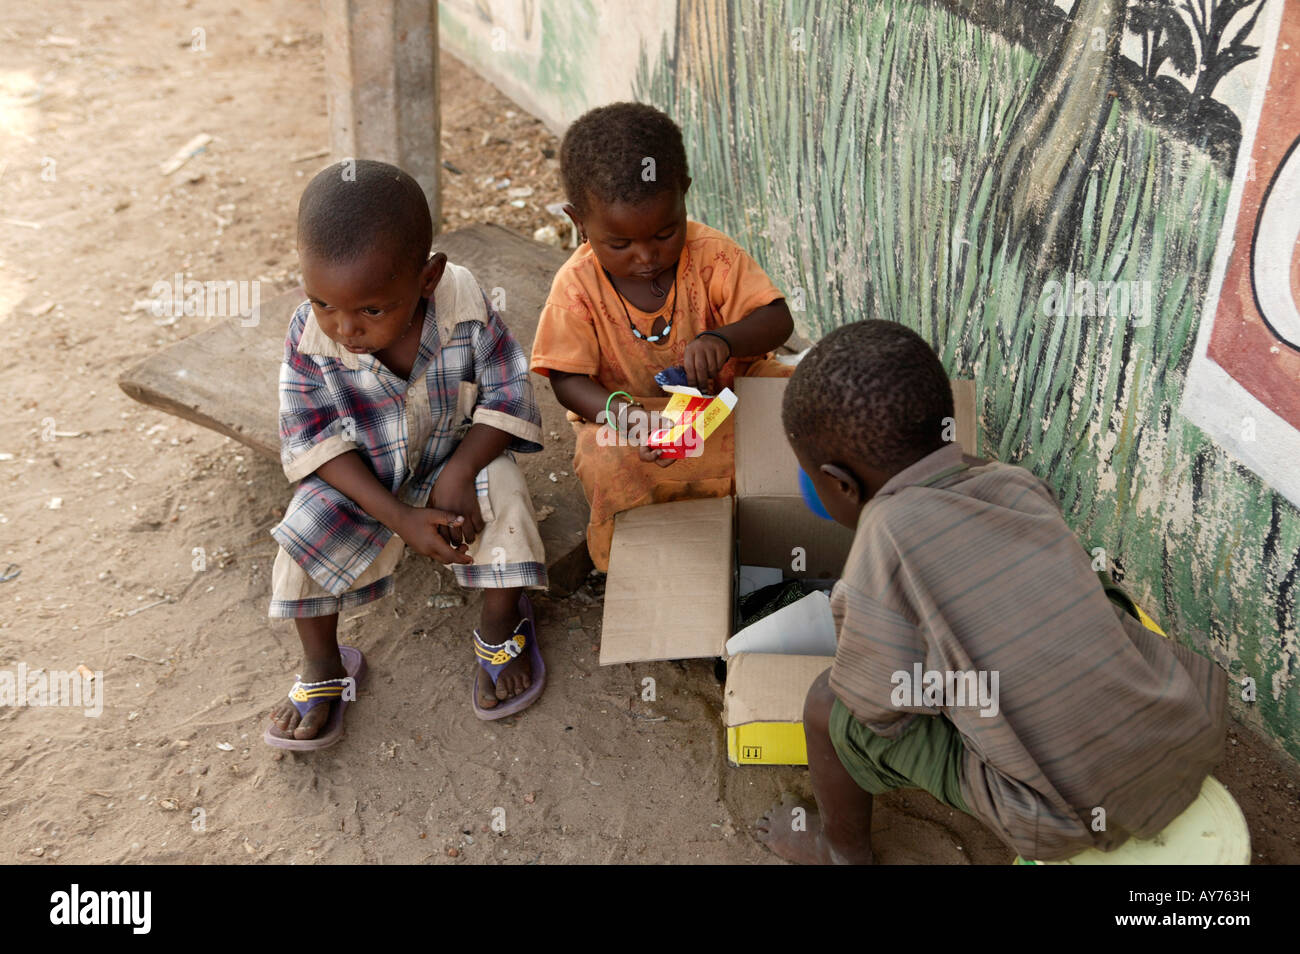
(611, 398)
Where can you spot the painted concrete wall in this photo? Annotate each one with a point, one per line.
(558, 58)
(1064, 198)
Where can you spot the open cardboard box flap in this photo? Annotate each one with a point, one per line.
(669, 592)
(765, 461)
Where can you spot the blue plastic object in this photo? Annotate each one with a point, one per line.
(810, 495)
(671, 377)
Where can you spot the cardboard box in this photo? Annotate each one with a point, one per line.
(670, 592)
(762, 707)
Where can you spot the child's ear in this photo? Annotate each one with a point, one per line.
(432, 273)
(572, 213)
(846, 483)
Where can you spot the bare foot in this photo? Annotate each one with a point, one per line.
(511, 681)
(514, 679)
(793, 830)
(285, 721)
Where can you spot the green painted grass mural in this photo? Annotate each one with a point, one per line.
(850, 148)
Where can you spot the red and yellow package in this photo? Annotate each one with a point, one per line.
(694, 418)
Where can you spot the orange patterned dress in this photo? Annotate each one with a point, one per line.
(584, 330)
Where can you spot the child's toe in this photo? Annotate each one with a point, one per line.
(483, 686)
(310, 724)
(519, 680)
(284, 721)
(283, 718)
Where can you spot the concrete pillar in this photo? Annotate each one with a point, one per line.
(381, 74)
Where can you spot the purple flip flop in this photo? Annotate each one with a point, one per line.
(306, 696)
(496, 658)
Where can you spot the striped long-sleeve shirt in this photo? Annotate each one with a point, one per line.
(469, 370)
(1102, 729)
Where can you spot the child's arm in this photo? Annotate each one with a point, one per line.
(420, 527)
(762, 330)
(454, 490)
(506, 417)
(583, 396)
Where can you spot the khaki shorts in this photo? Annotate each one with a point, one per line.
(508, 553)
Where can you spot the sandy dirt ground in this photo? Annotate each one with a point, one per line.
(103, 502)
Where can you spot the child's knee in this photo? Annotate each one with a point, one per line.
(504, 477)
(508, 497)
(511, 536)
(818, 704)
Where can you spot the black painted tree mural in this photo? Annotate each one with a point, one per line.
(1210, 19)
(1165, 36)
(1055, 138)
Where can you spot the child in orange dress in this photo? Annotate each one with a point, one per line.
(646, 290)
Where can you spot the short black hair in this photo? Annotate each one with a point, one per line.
(353, 205)
(874, 391)
(603, 155)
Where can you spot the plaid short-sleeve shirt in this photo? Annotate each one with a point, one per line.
(469, 370)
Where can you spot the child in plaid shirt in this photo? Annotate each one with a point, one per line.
(402, 396)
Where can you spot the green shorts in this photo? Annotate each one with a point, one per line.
(928, 755)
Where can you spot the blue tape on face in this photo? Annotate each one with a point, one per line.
(810, 495)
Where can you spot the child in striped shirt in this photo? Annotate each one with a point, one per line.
(979, 656)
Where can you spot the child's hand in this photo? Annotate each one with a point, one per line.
(644, 422)
(652, 456)
(424, 530)
(454, 491)
(703, 359)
